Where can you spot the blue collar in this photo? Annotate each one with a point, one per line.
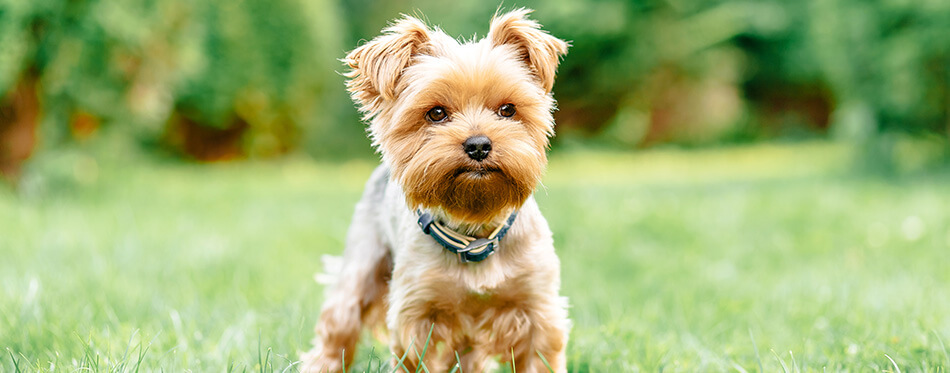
(468, 249)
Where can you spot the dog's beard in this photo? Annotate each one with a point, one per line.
(481, 193)
(475, 192)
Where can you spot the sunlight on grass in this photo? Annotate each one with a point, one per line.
(767, 257)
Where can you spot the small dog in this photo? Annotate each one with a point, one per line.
(447, 238)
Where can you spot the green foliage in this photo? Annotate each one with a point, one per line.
(14, 41)
(727, 69)
(893, 56)
(137, 63)
(270, 63)
(639, 72)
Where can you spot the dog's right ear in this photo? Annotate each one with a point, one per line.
(377, 65)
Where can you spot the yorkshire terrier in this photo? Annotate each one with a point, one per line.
(447, 249)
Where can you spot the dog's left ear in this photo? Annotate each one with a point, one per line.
(540, 50)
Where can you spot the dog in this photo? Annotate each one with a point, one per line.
(447, 250)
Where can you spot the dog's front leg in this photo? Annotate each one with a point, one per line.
(537, 327)
(418, 325)
(549, 340)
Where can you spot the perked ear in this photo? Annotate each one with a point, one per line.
(540, 50)
(377, 65)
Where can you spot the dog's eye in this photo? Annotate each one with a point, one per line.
(436, 114)
(506, 110)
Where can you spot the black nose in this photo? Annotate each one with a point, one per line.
(477, 147)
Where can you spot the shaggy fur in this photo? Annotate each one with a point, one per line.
(395, 276)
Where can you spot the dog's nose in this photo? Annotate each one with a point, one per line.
(477, 147)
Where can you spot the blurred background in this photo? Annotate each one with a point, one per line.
(214, 80)
(728, 177)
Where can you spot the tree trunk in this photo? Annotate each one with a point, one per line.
(19, 117)
(205, 143)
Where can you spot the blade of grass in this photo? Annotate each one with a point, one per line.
(141, 357)
(403, 358)
(756, 349)
(259, 357)
(16, 364)
(425, 349)
(373, 357)
(784, 367)
(794, 363)
(513, 369)
(265, 360)
(943, 348)
(896, 368)
(422, 364)
(123, 361)
(292, 365)
(88, 357)
(545, 361)
(458, 362)
(30, 366)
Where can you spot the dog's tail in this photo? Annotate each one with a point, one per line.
(332, 267)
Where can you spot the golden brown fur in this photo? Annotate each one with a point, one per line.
(505, 306)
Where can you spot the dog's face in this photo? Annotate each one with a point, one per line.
(464, 127)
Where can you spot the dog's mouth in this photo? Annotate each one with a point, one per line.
(476, 172)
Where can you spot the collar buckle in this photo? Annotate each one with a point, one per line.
(479, 245)
(478, 250)
(468, 249)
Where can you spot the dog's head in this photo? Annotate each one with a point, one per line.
(463, 126)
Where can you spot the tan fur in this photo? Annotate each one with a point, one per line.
(376, 66)
(505, 306)
(540, 50)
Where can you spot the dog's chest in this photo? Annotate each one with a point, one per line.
(484, 280)
(465, 298)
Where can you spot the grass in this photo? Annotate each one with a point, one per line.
(769, 258)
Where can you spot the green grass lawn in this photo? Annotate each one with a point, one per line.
(772, 258)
